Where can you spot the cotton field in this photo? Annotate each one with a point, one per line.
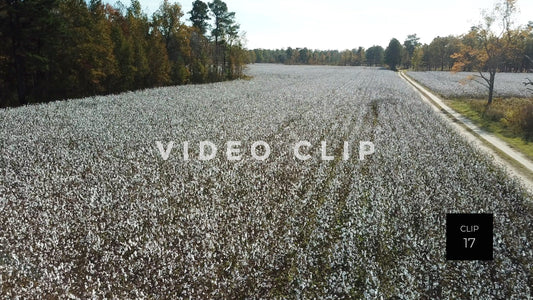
(90, 209)
(470, 85)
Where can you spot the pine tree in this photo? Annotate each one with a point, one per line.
(224, 31)
(199, 16)
(393, 54)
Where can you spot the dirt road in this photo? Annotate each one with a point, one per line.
(515, 163)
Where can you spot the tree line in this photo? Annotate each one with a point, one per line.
(56, 49)
(411, 54)
(373, 56)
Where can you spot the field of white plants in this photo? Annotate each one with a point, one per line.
(458, 85)
(88, 207)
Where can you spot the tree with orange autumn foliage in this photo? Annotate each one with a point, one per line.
(489, 46)
(57, 49)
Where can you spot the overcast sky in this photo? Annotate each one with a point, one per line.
(347, 24)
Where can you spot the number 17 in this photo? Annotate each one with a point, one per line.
(469, 241)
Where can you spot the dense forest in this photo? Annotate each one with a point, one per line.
(56, 49)
(411, 54)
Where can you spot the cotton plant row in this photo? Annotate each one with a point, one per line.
(89, 208)
(470, 85)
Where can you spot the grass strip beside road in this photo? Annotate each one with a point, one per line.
(497, 126)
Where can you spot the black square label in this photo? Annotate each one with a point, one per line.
(469, 236)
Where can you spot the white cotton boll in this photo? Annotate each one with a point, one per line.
(458, 85)
(100, 200)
